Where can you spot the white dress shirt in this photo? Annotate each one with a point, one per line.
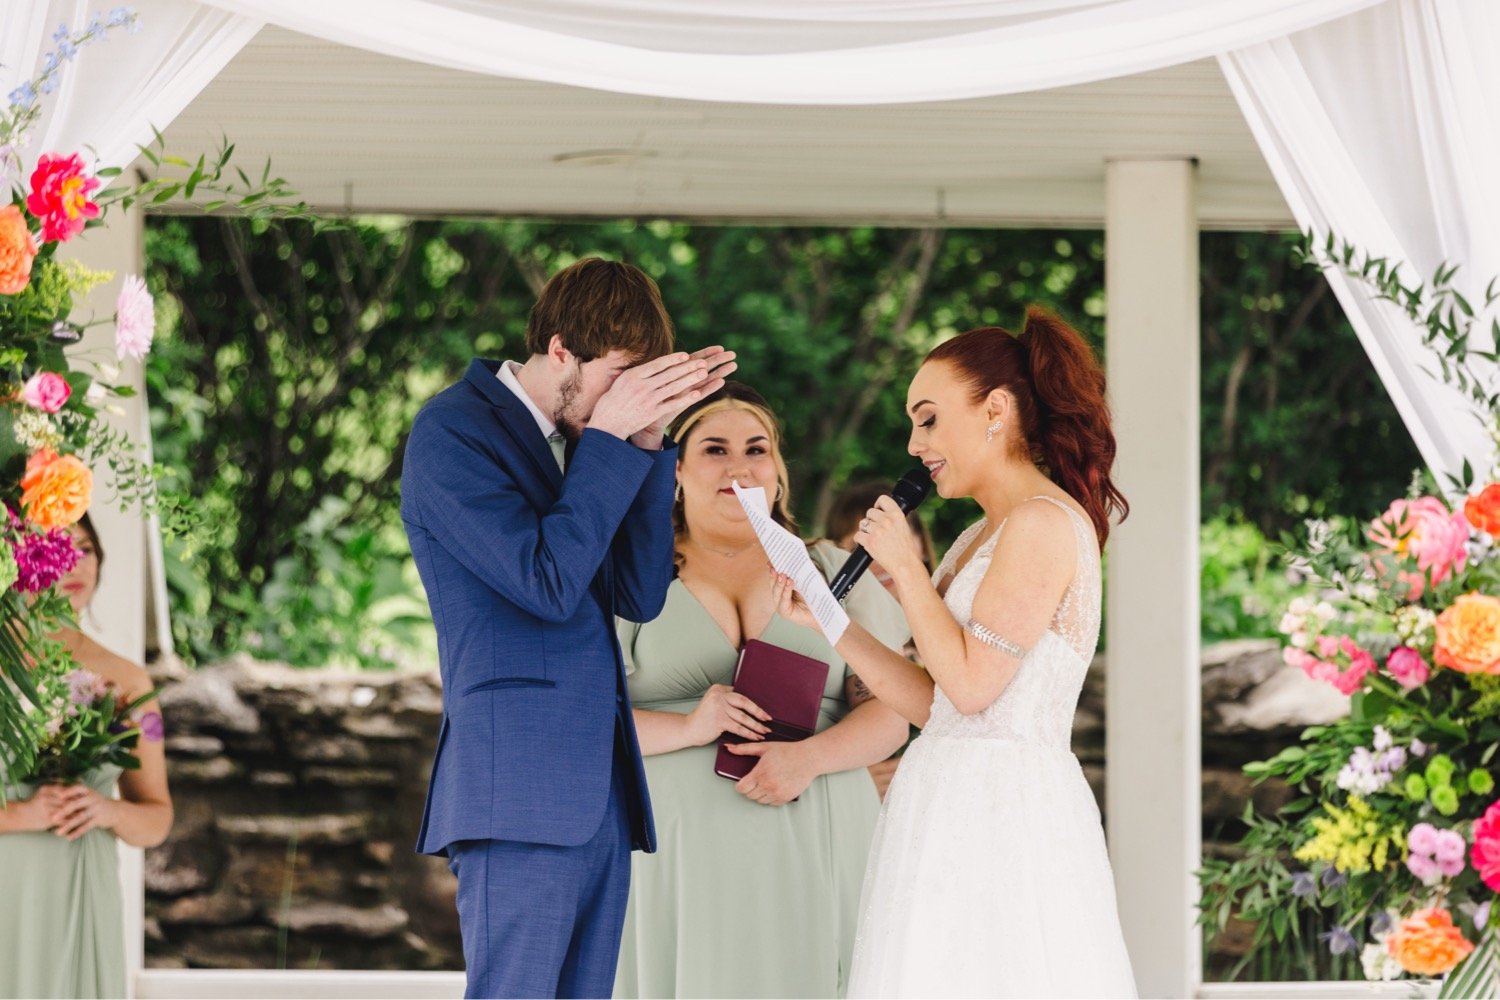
(507, 376)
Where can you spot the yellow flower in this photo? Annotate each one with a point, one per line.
(1354, 839)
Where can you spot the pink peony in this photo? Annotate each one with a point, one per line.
(1407, 666)
(47, 391)
(60, 196)
(1485, 854)
(1425, 530)
(135, 320)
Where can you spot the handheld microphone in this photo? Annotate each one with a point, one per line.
(910, 490)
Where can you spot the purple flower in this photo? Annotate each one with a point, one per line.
(42, 557)
(1332, 879)
(85, 687)
(1304, 885)
(1339, 941)
(153, 730)
(1380, 923)
(135, 319)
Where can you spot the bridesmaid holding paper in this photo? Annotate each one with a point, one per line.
(750, 893)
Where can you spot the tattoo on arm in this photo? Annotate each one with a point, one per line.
(856, 691)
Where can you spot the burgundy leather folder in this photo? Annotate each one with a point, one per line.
(788, 685)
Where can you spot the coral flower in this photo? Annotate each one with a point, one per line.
(1483, 509)
(17, 249)
(60, 196)
(1468, 635)
(55, 489)
(1427, 944)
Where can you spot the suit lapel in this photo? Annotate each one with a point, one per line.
(517, 421)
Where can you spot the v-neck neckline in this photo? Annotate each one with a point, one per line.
(728, 642)
(946, 583)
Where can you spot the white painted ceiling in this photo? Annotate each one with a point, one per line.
(353, 130)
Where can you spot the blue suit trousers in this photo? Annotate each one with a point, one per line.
(545, 921)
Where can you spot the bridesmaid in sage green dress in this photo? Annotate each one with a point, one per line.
(749, 893)
(62, 923)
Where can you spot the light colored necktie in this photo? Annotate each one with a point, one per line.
(558, 444)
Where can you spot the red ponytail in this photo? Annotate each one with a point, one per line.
(1058, 387)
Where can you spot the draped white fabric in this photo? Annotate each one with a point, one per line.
(1384, 128)
(1378, 117)
(121, 86)
(800, 51)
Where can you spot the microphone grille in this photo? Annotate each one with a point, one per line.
(912, 488)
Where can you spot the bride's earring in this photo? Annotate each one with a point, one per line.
(780, 492)
(992, 430)
(677, 494)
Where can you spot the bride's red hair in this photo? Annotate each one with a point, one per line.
(1058, 385)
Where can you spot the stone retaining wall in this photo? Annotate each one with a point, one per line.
(299, 793)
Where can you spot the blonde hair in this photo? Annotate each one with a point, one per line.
(736, 396)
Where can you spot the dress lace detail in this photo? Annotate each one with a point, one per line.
(988, 874)
(1038, 705)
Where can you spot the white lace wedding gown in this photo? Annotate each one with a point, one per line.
(988, 875)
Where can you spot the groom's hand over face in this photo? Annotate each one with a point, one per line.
(646, 398)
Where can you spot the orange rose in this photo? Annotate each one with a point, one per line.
(1427, 944)
(55, 489)
(17, 248)
(1468, 635)
(1483, 509)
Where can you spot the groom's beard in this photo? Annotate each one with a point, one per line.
(567, 394)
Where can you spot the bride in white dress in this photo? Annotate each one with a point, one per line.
(988, 874)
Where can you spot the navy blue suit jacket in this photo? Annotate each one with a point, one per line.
(525, 570)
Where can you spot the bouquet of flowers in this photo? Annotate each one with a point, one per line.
(1394, 841)
(87, 726)
(52, 431)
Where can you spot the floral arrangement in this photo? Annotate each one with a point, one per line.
(1393, 842)
(53, 401)
(86, 726)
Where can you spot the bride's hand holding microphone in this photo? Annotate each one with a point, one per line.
(886, 535)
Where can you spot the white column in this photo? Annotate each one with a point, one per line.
(118, 616)
(1152, 753)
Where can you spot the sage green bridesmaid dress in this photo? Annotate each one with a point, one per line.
(62, 928)
(741, 899)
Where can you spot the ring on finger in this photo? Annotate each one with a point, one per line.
(864, 524)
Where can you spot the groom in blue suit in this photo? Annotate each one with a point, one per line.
(537, 499)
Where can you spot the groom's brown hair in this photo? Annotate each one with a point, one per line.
(597, 306)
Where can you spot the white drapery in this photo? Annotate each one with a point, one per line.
(1378, 117)
(800, 51)
(110, 98)
(1384, 128)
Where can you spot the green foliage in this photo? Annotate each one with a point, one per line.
(292, 360)
(1295, 422)
(1243, 586)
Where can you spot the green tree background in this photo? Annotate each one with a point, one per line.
(291, 362)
